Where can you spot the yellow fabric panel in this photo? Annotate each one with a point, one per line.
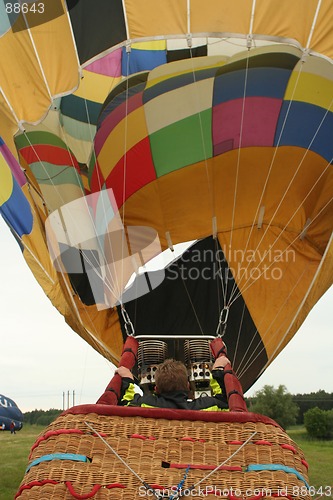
(285, 19)
(184, 202)
(57, 196)
(96, 87)
(145, 19)
(320, 230)
(280, 280)
(8, 126)
(85, 320)
(190, 99)
(33, 193)
(153, 45)
(104, 326)
(126, 134)
(38, 259)
(300, 88)
(322, 282)
(56, 51)
(322, 40)
(176, 68)
(85, 182)
(6, 181)
(21, 76)
(216, 16)
(140, 208)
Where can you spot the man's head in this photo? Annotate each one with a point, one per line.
(171, 376)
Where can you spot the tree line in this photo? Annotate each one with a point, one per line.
(285, 408)
(41, 417)
(314, 410)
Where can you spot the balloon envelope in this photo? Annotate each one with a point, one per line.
(178, 122)
(10, 412)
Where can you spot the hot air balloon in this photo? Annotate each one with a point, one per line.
(10, 414)
(132, 129)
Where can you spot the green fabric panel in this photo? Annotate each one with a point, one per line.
(183, 143)
(47, 173)
(79, 130)
(38, 137)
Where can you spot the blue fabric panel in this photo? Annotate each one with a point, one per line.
(141, 60)
(17, 212)
(80, 109)
(261, 82)
(57, 456)
(284, 468)
(302, 124)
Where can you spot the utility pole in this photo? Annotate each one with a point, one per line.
(68, 399)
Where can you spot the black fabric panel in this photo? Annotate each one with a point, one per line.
(274, 60)
(193, 284)
(77, 263)
(97, 25)
(177, 55)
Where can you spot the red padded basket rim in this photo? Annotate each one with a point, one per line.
(170, 414)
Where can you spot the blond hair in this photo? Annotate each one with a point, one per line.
(171, 376)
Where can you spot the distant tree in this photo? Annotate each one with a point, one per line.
(41, 417)
(320, 399)
(319, 423)
(276, 404)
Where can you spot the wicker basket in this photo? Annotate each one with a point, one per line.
(165, 448)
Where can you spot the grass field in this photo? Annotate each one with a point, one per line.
(14, 451)
(319, 455)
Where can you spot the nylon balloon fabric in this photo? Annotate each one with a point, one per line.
(178, 123)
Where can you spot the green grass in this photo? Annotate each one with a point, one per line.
(318, 454)
(14, 452)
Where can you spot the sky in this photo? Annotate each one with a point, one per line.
(41, 358)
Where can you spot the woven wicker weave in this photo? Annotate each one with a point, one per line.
(144, 442)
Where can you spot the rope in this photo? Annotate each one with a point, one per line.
(188, 490)
(180, 484)
(146, 485)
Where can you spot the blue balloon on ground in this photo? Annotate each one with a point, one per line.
(10, 413)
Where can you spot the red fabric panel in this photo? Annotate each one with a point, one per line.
(139, 172)
(49, 153)
(258, 125)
